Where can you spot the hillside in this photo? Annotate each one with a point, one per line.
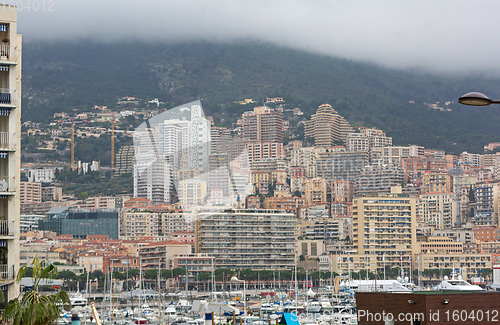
(64, 76)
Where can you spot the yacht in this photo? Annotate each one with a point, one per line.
(314, 307)
(266, 308)
(326, 306)
(457, 284)
(170, 313)
(77, 300)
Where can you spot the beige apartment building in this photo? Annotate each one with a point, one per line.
(385, 224)
(150, 255)
(175, 221)
(468, 264)
(437, 182)
(316, 190)
(441, 244)
(438, 210)
(327, 127)
(192, 192)
(99, 202)
(91, 261)
(265, 150)
(306, 156)
(51, 193)
(342, 191)
(263, 124)
(134, 224)
(30, 192)
(394, 154)
(260, 176)
(367, 139)
(10, 149)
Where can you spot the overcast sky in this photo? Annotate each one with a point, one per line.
(450, 36)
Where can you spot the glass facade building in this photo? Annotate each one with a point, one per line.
(83, 222)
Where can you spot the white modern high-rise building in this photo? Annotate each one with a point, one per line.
(199, 139)
(10, 149)
(173, 140)
(152, 178)
(166, 143)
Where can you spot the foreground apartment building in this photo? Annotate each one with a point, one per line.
(10, 149)
(241, 239)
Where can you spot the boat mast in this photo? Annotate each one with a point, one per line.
(87, 288)
(104, 289)
(366, 265)
(140, 284)
(111, 291)
(411, 266)
(383, 260)
(349, 269)
(159, 291)
(213, 280)
(418, 265)
(296, 288)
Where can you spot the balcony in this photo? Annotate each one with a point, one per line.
(8, 97)
(7, 185)
(6, 272)
(5, 230)
(8, 54)
(8, 141)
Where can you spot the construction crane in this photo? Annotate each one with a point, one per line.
(72, 141)
(113, 143)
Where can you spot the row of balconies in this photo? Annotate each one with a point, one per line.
(7, 272)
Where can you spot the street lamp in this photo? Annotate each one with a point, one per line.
(476, 99)
(235, 279)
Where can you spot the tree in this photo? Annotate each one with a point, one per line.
(151, 274)
(84, 195)
(297, 193)
(178, 271)
(33, 308)
(98, 274)
(487, 273)
(133, 272)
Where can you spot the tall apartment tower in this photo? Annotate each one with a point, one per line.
(10, 149)
(327, 127)
(263, 124)
(152, 179)
(385, 224)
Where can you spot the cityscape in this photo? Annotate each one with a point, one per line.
(204, 210)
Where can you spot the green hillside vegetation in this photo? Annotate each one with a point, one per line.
(66, 76)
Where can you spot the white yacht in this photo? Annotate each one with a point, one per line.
(266, 308)
(326, 306)
(170, 313)
(77, 300)
(457, 284)
(314, 307)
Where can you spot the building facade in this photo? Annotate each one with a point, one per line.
(240, 239)
(385, 224)
(30, 192)
(10, 148)
(327, 127)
